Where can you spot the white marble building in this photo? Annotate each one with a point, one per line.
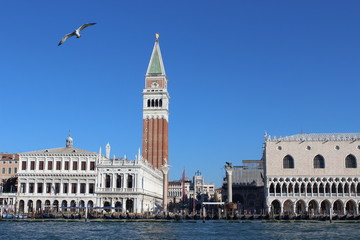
(53, 178)
(59, 178)
(132, 185)
(309, 174)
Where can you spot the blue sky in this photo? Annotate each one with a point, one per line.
(235, 69)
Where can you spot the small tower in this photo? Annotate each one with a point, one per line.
(69, 142)
(108, 151)
(155, 110)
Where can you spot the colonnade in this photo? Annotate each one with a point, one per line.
(314, 195)
(314, 207)
(330, 187)
(52, 205)
(117, 180)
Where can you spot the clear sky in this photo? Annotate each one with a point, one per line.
(235, 69)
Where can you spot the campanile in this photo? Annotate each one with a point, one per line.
(155, 110)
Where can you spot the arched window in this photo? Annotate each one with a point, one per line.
(308, 188)
(118, 181)
(272, 190)
(283, 188)
(160, 103)
(148, 103)
(130, 181)
(156, 103)
(315, 188)
(277, 188)
(319, 161)
(107, 181)
(290, 188)
(350, 162)
(152, 103)
(288, 162)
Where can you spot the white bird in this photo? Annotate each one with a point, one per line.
(75, 33)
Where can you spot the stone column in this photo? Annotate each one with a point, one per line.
(27, 186)
(122, 205)
(112, 181)
(98, 185)
(337, 190)
(112, 204)
(86, 188)
(78, 187)
(229, 170)
(165, 169)
(115, 176)
(103, 180)
(135, 202)
(134, 182)
(294, 209)
(61, 191)
(125, 181)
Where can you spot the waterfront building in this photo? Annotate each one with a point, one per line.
(132, 186)
(247, 187)
(179, 190)
(201, 190)
(71, 178)
(188, 190)
(59, 177)
(309, 174)
(9, 165)
(218, 194)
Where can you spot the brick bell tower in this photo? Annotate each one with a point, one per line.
(155, 110)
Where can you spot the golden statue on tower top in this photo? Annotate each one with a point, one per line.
(157, 36)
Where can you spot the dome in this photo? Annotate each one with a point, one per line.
(69, 141)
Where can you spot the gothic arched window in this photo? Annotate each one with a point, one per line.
(148, 102)
(288, 162)
(319, 161)
(160, 103)
(350, 162)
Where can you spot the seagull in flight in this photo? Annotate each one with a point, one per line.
(75, 33)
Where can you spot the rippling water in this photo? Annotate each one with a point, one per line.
(179, 230)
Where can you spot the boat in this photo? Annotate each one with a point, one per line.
(108, 216)
(8, 216)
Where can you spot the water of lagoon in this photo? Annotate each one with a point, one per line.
(179, 230)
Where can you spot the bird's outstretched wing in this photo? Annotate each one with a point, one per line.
(66, 37)
(85, 26)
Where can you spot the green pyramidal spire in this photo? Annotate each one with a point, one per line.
(155, 63)
(156, 66)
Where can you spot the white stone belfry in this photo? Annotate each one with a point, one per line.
(108, 151)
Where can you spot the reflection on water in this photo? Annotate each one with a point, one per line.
(179, 230)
